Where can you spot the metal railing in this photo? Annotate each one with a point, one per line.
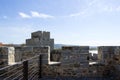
(29, 69)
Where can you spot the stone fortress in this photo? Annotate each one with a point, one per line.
(70, 61)
(40, 39)
(40, 42)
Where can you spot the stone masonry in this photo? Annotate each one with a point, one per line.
(6, 56)
(40, 38)
(74, 60)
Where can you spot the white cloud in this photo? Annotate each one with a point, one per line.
(110, 8)
(96, 7)
(77, 14)
(23, 15)
(35, 14)
(40, 15)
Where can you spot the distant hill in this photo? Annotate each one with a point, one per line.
(93, 47)
(58, 46)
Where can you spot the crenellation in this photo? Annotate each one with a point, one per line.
(7, 56)
(37, 34)
(40, 38)
(70, 61)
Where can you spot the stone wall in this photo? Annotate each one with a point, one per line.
(74, 62)
(40, 38)
(7, 55)
(105, 53)
(23, 53)
(75, 55)
(55, 55)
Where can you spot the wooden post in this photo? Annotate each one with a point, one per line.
(40, 66)
(25, 70)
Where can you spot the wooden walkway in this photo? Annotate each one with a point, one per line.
(74, 78)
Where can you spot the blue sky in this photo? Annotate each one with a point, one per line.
(79, 22)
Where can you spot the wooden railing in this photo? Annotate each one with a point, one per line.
(29, 69)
